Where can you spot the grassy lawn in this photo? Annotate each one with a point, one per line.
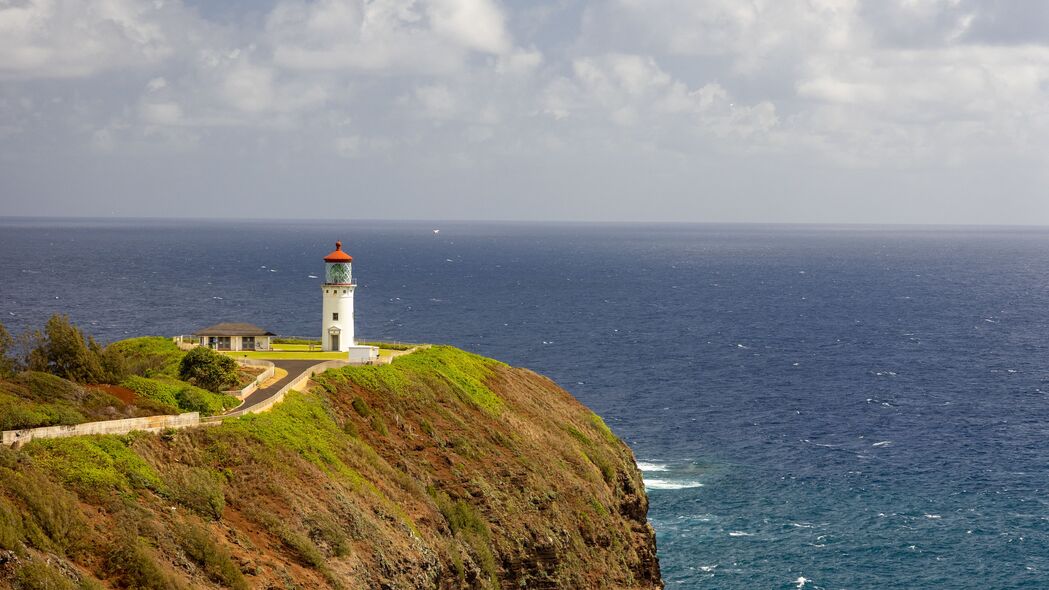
(288, 355)
(296, 347)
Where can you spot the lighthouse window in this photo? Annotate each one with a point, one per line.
(335, 316)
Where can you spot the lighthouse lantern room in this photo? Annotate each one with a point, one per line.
(337, 325)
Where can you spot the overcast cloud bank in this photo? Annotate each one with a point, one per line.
(932, 111)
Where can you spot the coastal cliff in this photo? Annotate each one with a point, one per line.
(441, 470)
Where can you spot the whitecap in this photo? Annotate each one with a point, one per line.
(883, 443)
(666, 484)
(739, 534)
(708, 568)
(932, 516)
(311, 276)
(646, 466)
(801, 581)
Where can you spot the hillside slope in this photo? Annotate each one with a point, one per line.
(442, 470)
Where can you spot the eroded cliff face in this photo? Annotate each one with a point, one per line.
(442, 470)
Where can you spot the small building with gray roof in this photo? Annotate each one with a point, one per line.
(235, 336)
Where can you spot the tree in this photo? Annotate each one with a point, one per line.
(7, 362)
(63, 352)
(208, 369)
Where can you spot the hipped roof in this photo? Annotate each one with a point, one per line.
(233, 329)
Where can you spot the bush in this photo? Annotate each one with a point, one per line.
(64, 352)
(208, 369)
(198, 488)
(44, 387)
(361, 407)
(214, 559)
(94, 466)
(49, 518)
(132, 563)
(36, 575)
(180, 396)
(148, 356)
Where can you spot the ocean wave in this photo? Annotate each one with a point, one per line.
(666, 484)
(647, 467)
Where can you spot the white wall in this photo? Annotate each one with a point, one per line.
(337, 299)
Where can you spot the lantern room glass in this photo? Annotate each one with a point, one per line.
(338, 273)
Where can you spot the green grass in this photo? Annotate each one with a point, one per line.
(94, 465)
(198, 488)
(300, 424)
(17, 413)
(463, 373)
(300, 347)
(290, 355)
(599, 425)
(180, 396)
(213, 558)
(305, 341)
(389, 345)
(150, 356)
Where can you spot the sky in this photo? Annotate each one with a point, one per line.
(794, 111)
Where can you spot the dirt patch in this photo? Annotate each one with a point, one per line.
(121, 393)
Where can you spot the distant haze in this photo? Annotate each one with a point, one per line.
(881, 111)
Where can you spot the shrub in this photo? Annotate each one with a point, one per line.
(208, 369)
(324, 529)
(148, 356)
(361, 407)
(48, 516)
(94, 465)
(64, 352)
(11, 528)
(36, 575)
(198, 488)
(180, 396)
(132, 563)
(213, 558)
(43, 387)
(7, 344)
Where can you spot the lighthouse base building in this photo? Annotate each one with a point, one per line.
(337, 308)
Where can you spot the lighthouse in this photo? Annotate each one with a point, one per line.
(337, 307)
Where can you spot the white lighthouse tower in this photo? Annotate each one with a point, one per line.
(337, 324)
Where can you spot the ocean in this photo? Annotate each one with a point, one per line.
(814, 407)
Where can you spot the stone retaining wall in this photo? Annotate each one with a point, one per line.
(267, 374)
(124, 426)
(298, 383)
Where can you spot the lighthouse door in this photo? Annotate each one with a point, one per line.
(335, 342)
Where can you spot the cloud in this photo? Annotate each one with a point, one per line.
(412, 94)
(387, 36)
(79, 38)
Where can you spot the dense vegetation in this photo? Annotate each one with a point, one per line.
(58, 376)
(208, 369)
(442, 470)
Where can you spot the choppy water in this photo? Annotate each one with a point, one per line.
(814, 407)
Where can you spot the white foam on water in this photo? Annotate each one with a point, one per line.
(646, 466)
(708, 568)
(801, 581)
(739, 534)
(933, 516)
(883, 443)
(666, 484)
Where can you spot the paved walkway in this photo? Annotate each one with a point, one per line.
(294, 369)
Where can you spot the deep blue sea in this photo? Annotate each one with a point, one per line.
(815, 407)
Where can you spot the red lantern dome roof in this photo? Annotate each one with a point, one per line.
(338, 255)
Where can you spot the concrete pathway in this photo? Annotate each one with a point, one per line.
(294, 369)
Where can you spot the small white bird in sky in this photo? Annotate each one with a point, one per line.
(436, 231)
